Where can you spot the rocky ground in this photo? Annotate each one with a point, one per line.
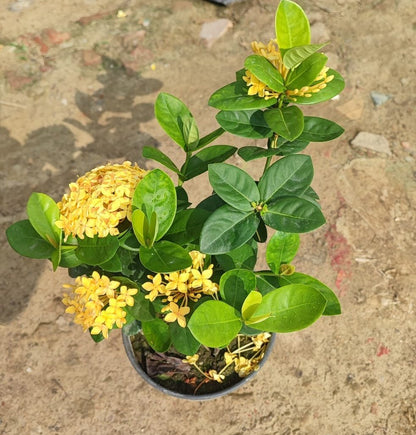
(77, 85)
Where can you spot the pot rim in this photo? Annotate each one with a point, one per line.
(208, 396)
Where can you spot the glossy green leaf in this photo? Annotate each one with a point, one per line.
(333, 306)
(292, 147)
(69, 259)
(288, 176)
(244, 123)
(142, 309)
(319, 129)
(292, 307)
(281, 249)
(234, 186)
(235, 97)
(199, 162)
(177, 121)
(183, 340)
(296, 55)
(26, 241)
(157, 334)
(260, 235)
(286, 122)
(227, 229)
(306, 73)
(293, 215)
(129, 241)
(244, 257)
(206, 140)
(292, 25)
(235, 285)
(267, 282)
(214, 323)
(187, 226)
(332, 89)
(113, 264)
(140, 226)
(164, 257)
(159, 156)
(252, 153)
(132, 328)
(265, 72)
(97, 250)
(43, 212)
(182, 201)
(211, 203)
(250, 304)
(156, 193)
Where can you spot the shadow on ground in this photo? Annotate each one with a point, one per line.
(51, 160)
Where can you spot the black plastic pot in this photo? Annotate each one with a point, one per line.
(130, 353)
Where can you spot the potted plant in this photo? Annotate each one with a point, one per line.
(181, 279)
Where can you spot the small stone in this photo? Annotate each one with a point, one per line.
(19, 5)
(352, 109)
(17, 81)
(39, 41)
(90, 58)
(371, 141)
(133, 39)
(56, 38)
(379, 98)
(84, 21)
(213, 30)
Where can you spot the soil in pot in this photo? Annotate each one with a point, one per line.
(173, 372)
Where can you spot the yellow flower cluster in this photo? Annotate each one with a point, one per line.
(272, 53)
(99, 201)
(98, 302)
(182, 286)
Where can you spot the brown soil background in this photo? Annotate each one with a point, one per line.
(65, 110)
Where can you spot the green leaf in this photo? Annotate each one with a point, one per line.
(260, 235)
(69, 259)
(286, 122)
(212, 203)
(305, 74)
(234, 186)
(281, 249)
(97, 250)
(130, 242)
(333, 88)
(97, 337)
(157, 334)
(252, 153)
(288, 147)
(142, 309)
(291, 308)
(183, 340)
(199, 162)
(333, 306)
(292, 25)
(43, 213)
(235, 285)
(23, 238)
(227, 229)
(319, 129)
(177, 121)
(288, 176)
(296, 55)
(181, 198)
(266, 282)
(293, 215)
(265, 72)
(113, 264)
(214, 324)
(156, 193)
(164, 257)
(244, 257)
(206, 140)
(235, 97)
(245, 123)
(187, 226)
(140, 226)
(132, 328)
(159, 156)
(251, 302)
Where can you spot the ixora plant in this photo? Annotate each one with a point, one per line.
(180, 280)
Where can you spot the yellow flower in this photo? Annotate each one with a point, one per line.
(191, 359)
(97, 303)
(197, 259)
(216, 376)
(177, 281)
(156, 288)
(260, 339)
(99, 201)
(272, 53)
(176, 314)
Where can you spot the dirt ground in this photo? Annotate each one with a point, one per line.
(77, 84)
